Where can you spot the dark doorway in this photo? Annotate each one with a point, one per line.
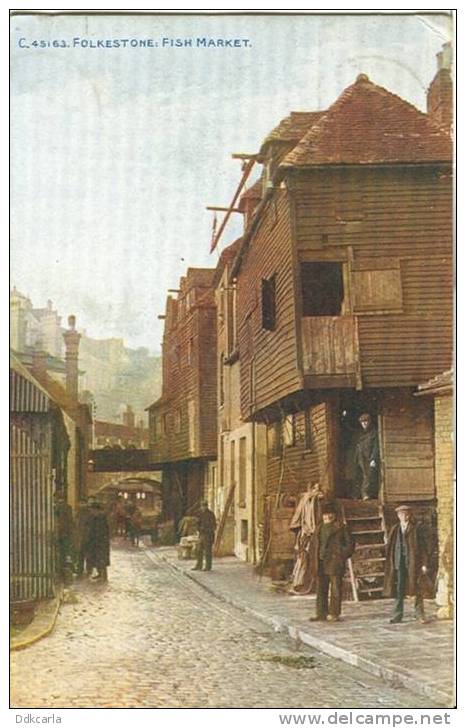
(358, 453)
(322, 289)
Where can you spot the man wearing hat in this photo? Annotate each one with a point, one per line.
(206, 525)
(406, 561)
(333, 545)
(367, 458)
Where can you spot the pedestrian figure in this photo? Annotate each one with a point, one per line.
(135, 525)
(405, 563)
(97, 551)
(333, 545)
(81, 536)
(305, 520)
(367, 459)
(120, 518)
(129, 510)
(63, 533)
(206, 525)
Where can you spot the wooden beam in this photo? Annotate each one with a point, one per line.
(246, 173)
(222, 209)
(239, 155)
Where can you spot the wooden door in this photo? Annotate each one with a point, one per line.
(407, 448)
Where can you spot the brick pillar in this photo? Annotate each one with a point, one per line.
(39, 363)
(72, 339)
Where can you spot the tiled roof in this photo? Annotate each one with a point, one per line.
(293, 127)
(254, 191)
(369, 125)
(199, 277)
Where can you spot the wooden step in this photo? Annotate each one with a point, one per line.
(361, 546)
(374, 530)
(366, 590)
(370, 558)
(363, 518)
(366, 576)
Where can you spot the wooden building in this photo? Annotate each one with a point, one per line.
(39, 447)
(183, 423)
(237, 495)
(344, 301)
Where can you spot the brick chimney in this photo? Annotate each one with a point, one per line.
(39, 362)
(128, 416)
(72, 339)
(440, 93)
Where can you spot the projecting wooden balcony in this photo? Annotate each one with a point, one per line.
(330, 352)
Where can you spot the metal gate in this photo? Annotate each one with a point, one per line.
(32, 552)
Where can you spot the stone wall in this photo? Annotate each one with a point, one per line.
(445, 495)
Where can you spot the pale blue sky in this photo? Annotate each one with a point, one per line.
(116, 152)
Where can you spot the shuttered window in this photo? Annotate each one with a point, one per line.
(376, 286)
(269, 311)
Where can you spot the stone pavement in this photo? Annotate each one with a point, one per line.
(417, 656)
(151, 638)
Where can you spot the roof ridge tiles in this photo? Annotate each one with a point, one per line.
(356, 129)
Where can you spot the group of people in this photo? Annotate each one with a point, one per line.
(324, 544)
(127, 520)
(83, 544)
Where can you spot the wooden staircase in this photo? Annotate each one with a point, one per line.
(366, 567)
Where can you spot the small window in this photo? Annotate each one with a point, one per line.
(289, 431)
(274, 439)
(166, 424)
(221, 378)
(232, 462)
(322, 288)
(244, 531)
(308, 439)
(177, 421)
(191, 352)
(242, 472)
(269, 312)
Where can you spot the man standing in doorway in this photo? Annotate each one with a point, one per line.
(206, 525)
(367, 458)
(333, 545)
(405, 564)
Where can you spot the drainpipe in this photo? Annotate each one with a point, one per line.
(253, 495)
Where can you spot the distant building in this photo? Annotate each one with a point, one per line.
(127, 434)
(183, 422)
(30, 325)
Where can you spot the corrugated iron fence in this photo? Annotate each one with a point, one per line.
(32, 548)
(32, 557)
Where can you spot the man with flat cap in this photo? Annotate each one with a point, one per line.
(367, 458)
(406, 562)
(333, 545)
(206, 525)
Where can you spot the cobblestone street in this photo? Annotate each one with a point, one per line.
(152, 638)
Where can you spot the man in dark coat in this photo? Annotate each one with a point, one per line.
(333, 545)
(97, 550)
(406, 561)
(206, 525)
(81, 535)
(367, 458)
(63, 515)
